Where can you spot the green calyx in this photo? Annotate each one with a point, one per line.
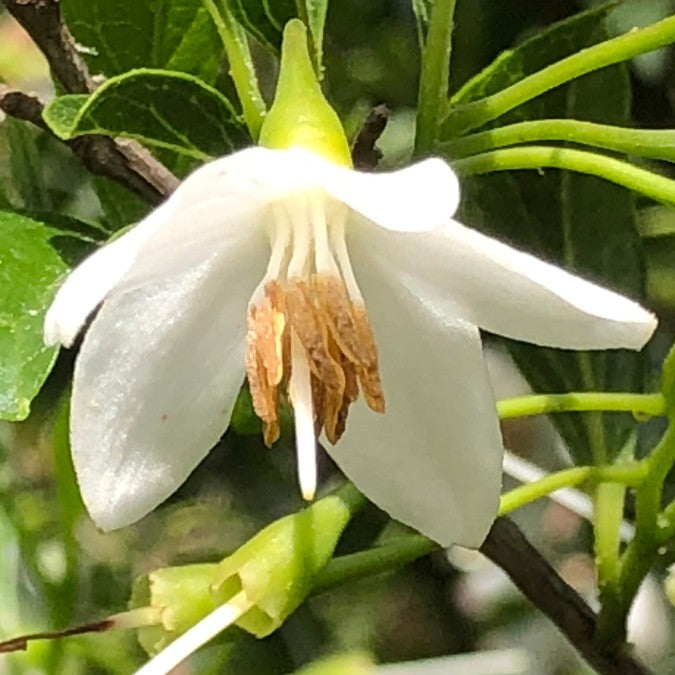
(181, 596)
(277, 567)
(301, 115)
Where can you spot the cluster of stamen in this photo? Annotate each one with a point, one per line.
(309, 336)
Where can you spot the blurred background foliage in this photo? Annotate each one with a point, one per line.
(56, 569)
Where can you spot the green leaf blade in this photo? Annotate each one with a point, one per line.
(585, 224)
(121, 36)
(161, 108)
(31, 268)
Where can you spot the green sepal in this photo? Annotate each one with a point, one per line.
(181, 595)
(301, 115)
(277, 567)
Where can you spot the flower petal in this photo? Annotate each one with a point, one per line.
(461, 272)
(414, 199)
(90, 281)
(205, 214)
(433, 459)
(155, 382)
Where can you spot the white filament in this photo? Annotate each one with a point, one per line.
(197, 636)
(300, 390)
(337, 232)
(323, 258)
(302, 238)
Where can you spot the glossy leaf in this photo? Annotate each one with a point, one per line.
(160, 108)
(315, 11)
(125, 34)
(581, 222)
(264, 19)
(422, 11)
(34, 256)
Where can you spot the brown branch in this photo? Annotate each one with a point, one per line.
(124, 161)
(365, 154)
(100, 154)
(507, 546)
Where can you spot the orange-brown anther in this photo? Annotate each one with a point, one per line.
(338, 342)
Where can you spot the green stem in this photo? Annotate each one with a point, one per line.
(242, 71)
(607, 53)
(433, 90)
(537, 157)
(651, 405)
(652, 143)
(609, 502)
(387, 556)
(403, 550)
(643, 549)
(620, 474)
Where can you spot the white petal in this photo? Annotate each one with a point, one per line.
(205, 214)
(461, 272)
(433, 460)
(415, 199)
(90, 281)
(155, 383)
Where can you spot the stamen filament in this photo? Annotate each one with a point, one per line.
(337, 235)
(300, 390)
(302, 241)
(203, 631)
(323, 259)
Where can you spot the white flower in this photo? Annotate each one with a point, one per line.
(185, 314)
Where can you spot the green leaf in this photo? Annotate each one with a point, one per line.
(555, 43)
(160, 108)
(315, 18)
(656, 221)
(125, 34)
(38, 172)
(264, 19)
(34, 256)
(422, 11)
(121, 207)
(581, 222)
(660, 254)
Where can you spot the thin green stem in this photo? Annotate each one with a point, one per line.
(538, 157)
(620, 474)
(403, 550)
(607, 53)
(609, 499)
(653, 143)
(243, 74)
(652, 405)
(387, 556)
(643, 549)
(433, 90)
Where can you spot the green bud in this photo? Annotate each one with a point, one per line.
(301, 115)
(276, 569)
(181, 597)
